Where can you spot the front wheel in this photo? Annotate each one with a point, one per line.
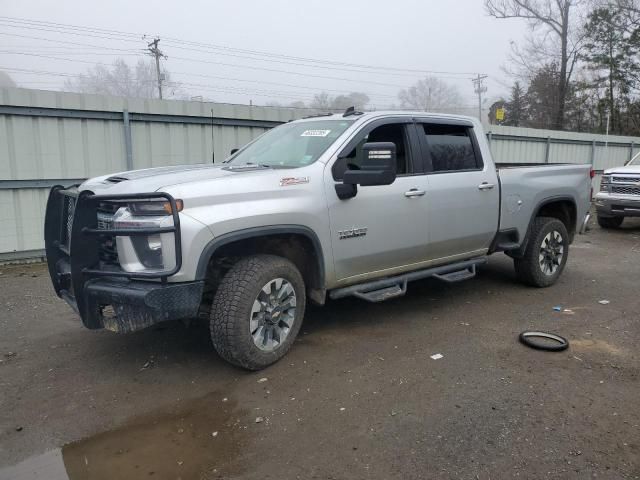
(546, 253)
(610, 222)
(257, 311)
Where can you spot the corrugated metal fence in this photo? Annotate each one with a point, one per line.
(49, 138)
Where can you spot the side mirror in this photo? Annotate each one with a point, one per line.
(234, 150)
(378, 168)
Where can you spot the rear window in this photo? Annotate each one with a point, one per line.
(450, 148)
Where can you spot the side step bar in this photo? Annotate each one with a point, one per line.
(391, 287)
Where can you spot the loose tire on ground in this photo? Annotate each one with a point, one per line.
(543, 238)
(610, 222)
(531, 339)
(239, 303)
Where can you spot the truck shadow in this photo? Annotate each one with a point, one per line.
(423, 297)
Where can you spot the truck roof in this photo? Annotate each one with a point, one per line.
(387, 113)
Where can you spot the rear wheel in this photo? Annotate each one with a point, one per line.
(610, 222)
(546, 253)
(257, 311)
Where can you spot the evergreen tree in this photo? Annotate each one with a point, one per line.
(516, 107)
(610, 51)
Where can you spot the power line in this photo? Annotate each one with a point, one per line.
(227, 90)
(217, 88)
(216, 49)
(253, 58)
(374, 95)
(63, 42)
(128, 37)
(211, 88)
(253, 67)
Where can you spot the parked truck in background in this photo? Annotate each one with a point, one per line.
(328, 206)
(619, 194)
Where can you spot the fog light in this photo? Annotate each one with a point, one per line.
(154, 242)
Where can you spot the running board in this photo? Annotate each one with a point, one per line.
(382, 294)
(392, 287)
(457, 276)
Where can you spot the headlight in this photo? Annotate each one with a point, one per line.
(154, 207)
(146, 252)
(605, 181)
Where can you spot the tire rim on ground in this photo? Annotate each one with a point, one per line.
(272, 314)
(551, 253)
(528, 338)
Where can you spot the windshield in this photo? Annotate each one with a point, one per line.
(635, 160)
(292, 144)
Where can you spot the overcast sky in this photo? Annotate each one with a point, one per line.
(453, 36)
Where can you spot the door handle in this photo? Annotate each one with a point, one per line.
(485, 186)
(414, 192)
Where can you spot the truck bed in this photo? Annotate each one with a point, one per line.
(524, 187)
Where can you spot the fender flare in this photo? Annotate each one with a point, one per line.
(546, 201)
(254, 232)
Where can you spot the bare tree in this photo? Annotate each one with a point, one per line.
(321, 101)
(124, 81)
(558, 25)
(324, 101)
(431, 94)
(630, 10)
(358, 100)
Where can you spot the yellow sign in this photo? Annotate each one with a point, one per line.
(500, 114)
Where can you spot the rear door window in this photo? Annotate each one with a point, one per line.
(450, 148)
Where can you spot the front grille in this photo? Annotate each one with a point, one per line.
(105, 220)
(625, 190)
(108, 252)
(69, 206)
(617, 179)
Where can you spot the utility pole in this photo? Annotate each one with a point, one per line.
(479, 89)
(155, 52)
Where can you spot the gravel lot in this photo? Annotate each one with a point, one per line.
(357, 397)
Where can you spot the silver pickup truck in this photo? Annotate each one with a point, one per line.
(619, 194)
(328, 206)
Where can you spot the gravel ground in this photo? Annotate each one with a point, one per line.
(357, 397)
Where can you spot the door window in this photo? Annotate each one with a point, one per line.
(450, 148)
(392, 132)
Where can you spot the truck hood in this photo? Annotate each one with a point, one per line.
(627, 169)
(154, 179)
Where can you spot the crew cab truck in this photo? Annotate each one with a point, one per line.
(353, 204)
(619, 194)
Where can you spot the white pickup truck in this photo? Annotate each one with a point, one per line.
(333, 205)
(619, 194)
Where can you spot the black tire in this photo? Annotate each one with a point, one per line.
(610, 222)
(231, 311)
(527, 339)
(528, 268)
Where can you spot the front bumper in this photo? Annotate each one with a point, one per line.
(617, 206)
(104, 295)
(125, 306)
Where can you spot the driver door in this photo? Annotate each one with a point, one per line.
(383, 229)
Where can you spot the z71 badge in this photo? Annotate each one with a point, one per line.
(352, 233)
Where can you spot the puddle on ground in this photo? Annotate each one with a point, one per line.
(176, 443)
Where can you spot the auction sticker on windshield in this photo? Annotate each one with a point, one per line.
(315, 133)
